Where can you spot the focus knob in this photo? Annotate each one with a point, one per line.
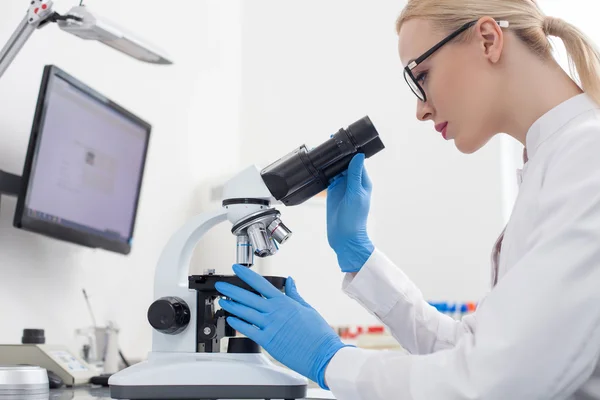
(169, 315)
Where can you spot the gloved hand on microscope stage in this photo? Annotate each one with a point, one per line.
(283, 324)
(348, 204)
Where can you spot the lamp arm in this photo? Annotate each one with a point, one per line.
(38, 14)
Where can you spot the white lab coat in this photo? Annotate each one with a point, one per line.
(536, 335)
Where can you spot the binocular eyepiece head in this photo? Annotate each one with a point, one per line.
(302, 174)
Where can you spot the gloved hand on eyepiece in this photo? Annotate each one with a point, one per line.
(348, 204)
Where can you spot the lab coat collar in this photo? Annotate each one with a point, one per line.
(551, 122)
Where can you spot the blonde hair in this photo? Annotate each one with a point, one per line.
(529, 24)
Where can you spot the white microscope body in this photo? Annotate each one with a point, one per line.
(180, 366)
(186, 362)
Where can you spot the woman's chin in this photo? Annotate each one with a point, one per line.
(468, 145)
(463, 146)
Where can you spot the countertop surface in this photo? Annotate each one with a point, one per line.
(103, 393)
(84, 393)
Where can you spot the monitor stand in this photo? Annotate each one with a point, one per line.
(10, 184)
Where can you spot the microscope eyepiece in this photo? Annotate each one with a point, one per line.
(302, 174)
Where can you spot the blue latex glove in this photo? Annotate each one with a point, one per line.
(283, 324)
(348, 203)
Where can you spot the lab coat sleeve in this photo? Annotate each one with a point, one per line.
(383, 289)
(538, 332)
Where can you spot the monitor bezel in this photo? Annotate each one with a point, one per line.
(57, 231)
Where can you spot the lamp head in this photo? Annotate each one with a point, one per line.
(91, 27)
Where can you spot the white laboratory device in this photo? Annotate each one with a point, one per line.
(186, 361)
(73, 370)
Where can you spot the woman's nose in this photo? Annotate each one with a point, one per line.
(424, 111)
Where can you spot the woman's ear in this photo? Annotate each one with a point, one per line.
(491, 38)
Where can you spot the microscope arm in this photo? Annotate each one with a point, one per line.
(177, 254)
(173, 264)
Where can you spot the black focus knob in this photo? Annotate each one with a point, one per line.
(169, 315)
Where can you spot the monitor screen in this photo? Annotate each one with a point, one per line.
(84, 166)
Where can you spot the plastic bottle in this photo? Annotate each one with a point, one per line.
(464, 310)
(472, 307)
(451, 310)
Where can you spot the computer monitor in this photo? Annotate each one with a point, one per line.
(84, 167)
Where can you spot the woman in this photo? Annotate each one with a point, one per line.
(478, 68)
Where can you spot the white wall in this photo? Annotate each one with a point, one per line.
(311, 67)
(188, 105)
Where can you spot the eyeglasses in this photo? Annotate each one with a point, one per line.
(413, 82)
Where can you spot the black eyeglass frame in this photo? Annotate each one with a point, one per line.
(415, 63)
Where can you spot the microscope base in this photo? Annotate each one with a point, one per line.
(184, 376)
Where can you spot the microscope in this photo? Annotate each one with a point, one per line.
(186, 361)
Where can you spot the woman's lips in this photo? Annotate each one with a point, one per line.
(443, 129)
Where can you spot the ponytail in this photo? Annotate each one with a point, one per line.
(584, 59)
